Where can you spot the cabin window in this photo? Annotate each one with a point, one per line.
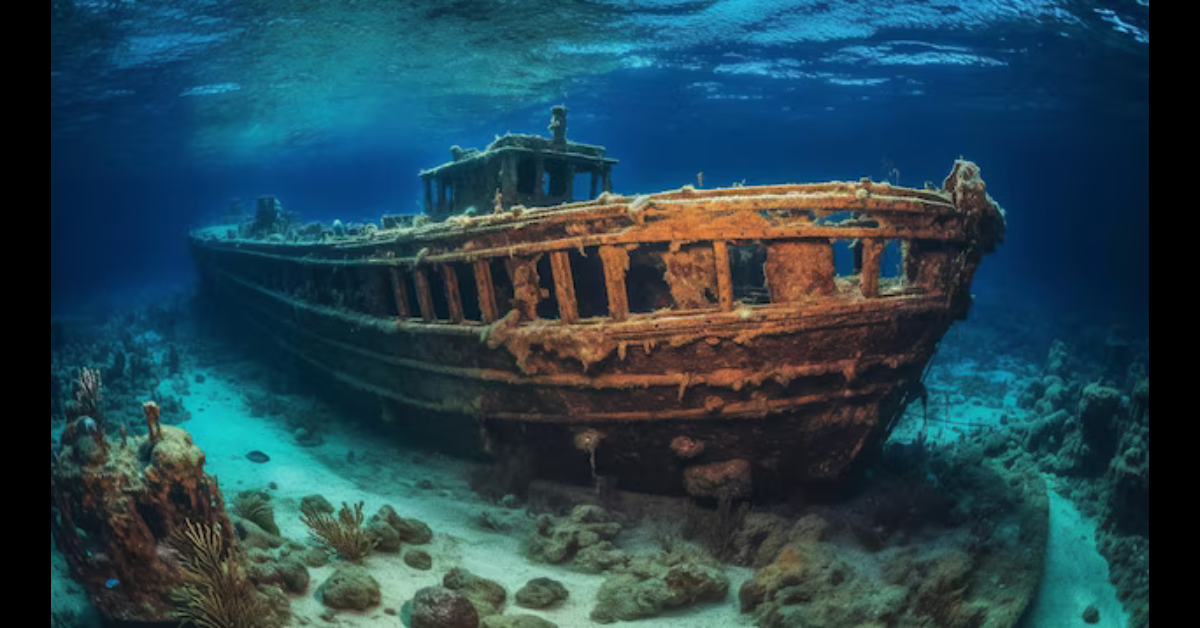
(845, 257)
(558, 180)
(468, 292)
(502, 284)
(746, 269)
(583, 187)
(437, 292)
(410, 292)
(527, 182)
(547, 306)
(645, 282)
(891, 265)
(590, 293)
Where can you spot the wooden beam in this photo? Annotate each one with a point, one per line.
(872, 251)
(424, 295)
(400, 292)
(724, 275)
(616, 264)
(486, 290)
(564, 286)
(453, 296)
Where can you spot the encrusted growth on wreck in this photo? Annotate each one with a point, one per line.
(780, 325)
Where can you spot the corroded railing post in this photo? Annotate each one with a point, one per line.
(564, 286)
(724, 275)
(424, 295)
(871, 251)
(487, 291)
(616, 264)
(453, 296)
(400, 292)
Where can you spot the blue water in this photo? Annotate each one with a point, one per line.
(164, 111)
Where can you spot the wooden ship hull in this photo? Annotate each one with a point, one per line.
(716, 342)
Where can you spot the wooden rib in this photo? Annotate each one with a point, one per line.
(453, 296)
(724, 275)
(564, 287)
(424, 295)
(871, 250)
(486, 290)
(400, 291)
(616, 264)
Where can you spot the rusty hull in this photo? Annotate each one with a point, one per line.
(725, 324)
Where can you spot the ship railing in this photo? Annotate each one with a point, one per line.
(684, 253)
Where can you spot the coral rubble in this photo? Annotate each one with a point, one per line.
(963, 547)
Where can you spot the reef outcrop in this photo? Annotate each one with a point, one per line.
(117, 503)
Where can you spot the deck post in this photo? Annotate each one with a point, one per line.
(607, 178)
(564, 286)
(400, 292)
(595, 184)
(724, 275)
(616, 264)
(453, 296)
(487, 291)
(871, 251)
(424, 295)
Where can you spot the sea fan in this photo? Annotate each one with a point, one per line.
(254, 507)
(217, 594)
(344, 535)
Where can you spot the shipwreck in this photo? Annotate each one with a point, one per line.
(720, 342)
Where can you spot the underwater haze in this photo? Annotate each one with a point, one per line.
(164, 114)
